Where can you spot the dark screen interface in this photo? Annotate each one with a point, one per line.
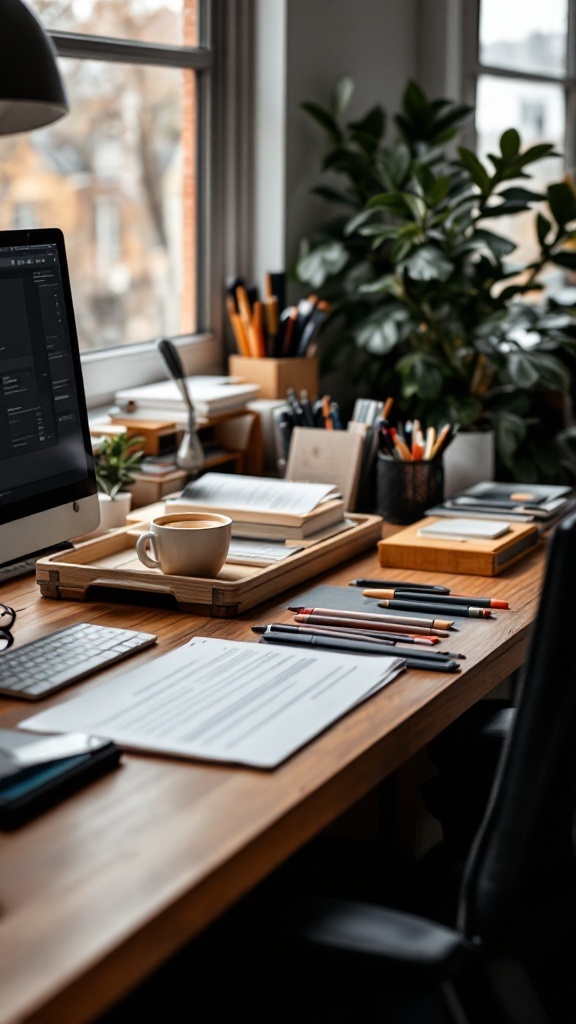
(41, 440)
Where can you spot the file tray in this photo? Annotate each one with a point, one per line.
(110, 563)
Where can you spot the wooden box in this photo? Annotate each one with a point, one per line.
(275, 376)
(406, 549)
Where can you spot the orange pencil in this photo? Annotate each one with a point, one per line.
(258, 328)
(238, 328)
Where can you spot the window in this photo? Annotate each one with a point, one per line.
(524, 77)
(123, 174)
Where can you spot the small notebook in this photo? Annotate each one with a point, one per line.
(464, 528)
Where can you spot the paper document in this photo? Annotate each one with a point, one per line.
(225, 700)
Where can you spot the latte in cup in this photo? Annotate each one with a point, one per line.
(186, 544)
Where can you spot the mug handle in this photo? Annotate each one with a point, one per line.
(142, 552)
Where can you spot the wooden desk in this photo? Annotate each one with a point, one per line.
(101, 890)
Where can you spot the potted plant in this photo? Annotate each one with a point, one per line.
(116, 460)
(427, 305)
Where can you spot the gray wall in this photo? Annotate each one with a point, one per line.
(303, 47)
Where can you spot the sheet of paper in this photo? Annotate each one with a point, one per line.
(259, 552)
(224, 700)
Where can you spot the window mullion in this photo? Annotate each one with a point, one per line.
(72, 44)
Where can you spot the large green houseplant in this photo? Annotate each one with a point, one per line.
(427, 303)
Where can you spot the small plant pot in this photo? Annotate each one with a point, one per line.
(113, 511)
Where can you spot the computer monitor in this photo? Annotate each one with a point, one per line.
(48, 493)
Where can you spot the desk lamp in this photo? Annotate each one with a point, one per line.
(190, 455)
(31, 89)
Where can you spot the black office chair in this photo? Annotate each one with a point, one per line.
(509, 957)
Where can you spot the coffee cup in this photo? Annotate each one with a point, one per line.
(186, 543)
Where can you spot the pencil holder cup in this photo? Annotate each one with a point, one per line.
(275, 376)
(404, 490)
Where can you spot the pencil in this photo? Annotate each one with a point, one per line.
(391, 623)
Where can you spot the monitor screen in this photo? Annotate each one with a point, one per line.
(48, 491)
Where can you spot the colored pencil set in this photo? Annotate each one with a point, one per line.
(412, 442)
(264, 327)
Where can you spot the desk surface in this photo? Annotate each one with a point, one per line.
(102, 889)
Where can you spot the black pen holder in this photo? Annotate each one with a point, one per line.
(404, 490)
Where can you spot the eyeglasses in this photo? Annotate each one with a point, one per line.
(7, 620)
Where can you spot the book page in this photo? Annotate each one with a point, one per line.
(225, 700)
(256, 493)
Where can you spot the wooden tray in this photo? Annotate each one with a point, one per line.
(110, 562)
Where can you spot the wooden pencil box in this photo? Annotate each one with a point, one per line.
(407, 549)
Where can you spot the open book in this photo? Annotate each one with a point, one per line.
(265, 507)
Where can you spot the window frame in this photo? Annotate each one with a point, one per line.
(107, 370)
(473, 68)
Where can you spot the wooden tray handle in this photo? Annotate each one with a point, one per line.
(139, 585)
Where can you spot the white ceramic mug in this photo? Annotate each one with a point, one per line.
(186, 543)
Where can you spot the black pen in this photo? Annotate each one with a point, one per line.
(400, 583)
(403, 593)
(345, 634)
(436, 607)
(358, 647)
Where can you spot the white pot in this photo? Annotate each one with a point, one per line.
(113, 511)
(468, 460)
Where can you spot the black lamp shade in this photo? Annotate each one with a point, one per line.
(31, 89)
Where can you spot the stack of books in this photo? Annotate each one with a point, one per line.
(270, 509)
(542, 504)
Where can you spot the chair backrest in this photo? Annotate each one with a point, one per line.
(519, 877)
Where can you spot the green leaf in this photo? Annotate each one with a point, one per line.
(543, 226)
(414, 102)
(372, 124)
(342, 95)
(529, 156)
(510, 144)
(393, 202)
(475, 169)
(387, 285)
(358, 220)
(321, 263)
(417, 206)
(428, 263)
(325, 119)
(378, 335)
(495, 243)
(562, 201)
(395, 163)
(439, 191)
(522, 372)
(421, 376)
(522, 194)
(504, 209)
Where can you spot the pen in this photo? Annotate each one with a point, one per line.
(440, 609)
(353, 631)
(426, 595)
(353, 634)
(390, 624)
(360, 647)
(400, 583)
